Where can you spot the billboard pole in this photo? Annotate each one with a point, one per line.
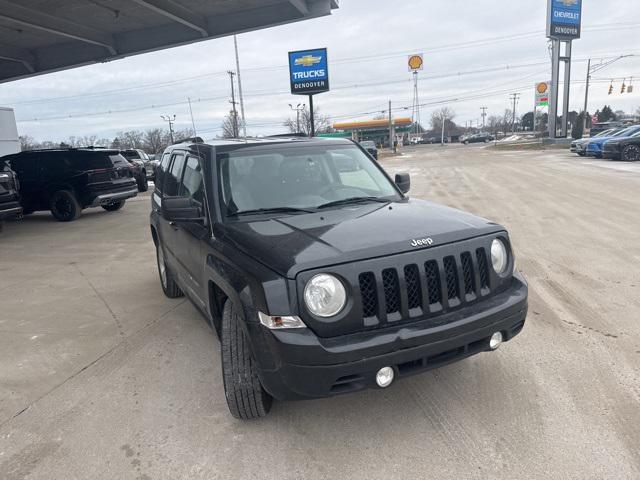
(312, 133)
(567, 86)
(555, 79)
(564, 24)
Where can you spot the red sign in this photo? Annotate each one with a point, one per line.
(594, 119)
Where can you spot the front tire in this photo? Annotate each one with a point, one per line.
(114, 207)
(65, 206)
(631, 153)
(169, 285)
(245, 396)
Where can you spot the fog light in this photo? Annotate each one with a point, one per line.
(496, 340)
(384, 377)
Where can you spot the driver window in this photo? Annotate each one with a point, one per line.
(192, 181)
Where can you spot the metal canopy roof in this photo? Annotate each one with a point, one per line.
(40, 36)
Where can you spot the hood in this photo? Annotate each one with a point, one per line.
(294, 243)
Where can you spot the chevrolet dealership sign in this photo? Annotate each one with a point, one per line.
(564, 19)
(309, 72)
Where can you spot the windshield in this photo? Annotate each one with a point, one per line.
(626, 132)
(300, 177)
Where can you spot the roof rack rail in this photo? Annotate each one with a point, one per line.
(189, 140)
(289, 135)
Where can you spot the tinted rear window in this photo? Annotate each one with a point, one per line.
(131, 154)
(118, 161)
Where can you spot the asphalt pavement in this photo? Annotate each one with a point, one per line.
(102, 377)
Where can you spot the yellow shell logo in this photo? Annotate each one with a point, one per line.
(542, 88)
(308, 60)
(415, 62)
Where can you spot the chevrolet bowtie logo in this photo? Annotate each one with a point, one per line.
(308, 60)
(569, 3)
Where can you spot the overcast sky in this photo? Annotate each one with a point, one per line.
(476, 52)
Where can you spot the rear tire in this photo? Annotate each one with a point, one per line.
(631, 153)
(245, 396)
(65, 206)
(114, 207)
(169, 285)
(143, 184)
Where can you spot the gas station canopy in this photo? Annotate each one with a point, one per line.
(40, 36)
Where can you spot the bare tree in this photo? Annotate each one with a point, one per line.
(154, 140)
(228, 127)
(27, 142)
(131, 139)
(446, 114)
(322, 122)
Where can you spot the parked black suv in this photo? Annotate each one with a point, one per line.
(66, 181)
(138, 161)
(9, 193)
(319, 274)
(370, 146)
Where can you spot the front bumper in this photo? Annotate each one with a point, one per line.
(611, 154)
(11, 209)
(296, 364)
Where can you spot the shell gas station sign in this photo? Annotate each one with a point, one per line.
(543, 90)
(415, 62)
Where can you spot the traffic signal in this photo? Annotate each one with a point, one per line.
(611, 88)
(624, 86)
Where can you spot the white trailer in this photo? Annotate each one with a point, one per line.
(9, 142)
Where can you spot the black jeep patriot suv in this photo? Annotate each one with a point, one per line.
(66, 181)
(319, 274)
(9, 197)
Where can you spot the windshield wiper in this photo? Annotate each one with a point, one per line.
(271, 210)
(346, 201)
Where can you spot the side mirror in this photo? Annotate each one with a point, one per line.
(181, 209)
(403, 181)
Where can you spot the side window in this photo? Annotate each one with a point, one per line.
(161, 171)
(25, 166)
(172, 180)
(192, 181)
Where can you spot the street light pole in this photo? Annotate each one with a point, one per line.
(170, 120)
(298, 108)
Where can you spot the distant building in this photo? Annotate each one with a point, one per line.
(376, 130)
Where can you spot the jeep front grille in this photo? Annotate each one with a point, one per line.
(431, 287)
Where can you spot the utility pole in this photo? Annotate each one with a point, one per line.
(170, 120)
(444, 120)
(234, 112)
(484, 114)
(392, 143)
(591, 70)
(244, 123)
(514, 97)
(298, 108)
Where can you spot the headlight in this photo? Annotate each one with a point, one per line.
(325, 295)
(5, 176)
(499, 257)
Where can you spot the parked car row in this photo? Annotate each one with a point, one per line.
(481, 137)
(619, 143)
(65, 181)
